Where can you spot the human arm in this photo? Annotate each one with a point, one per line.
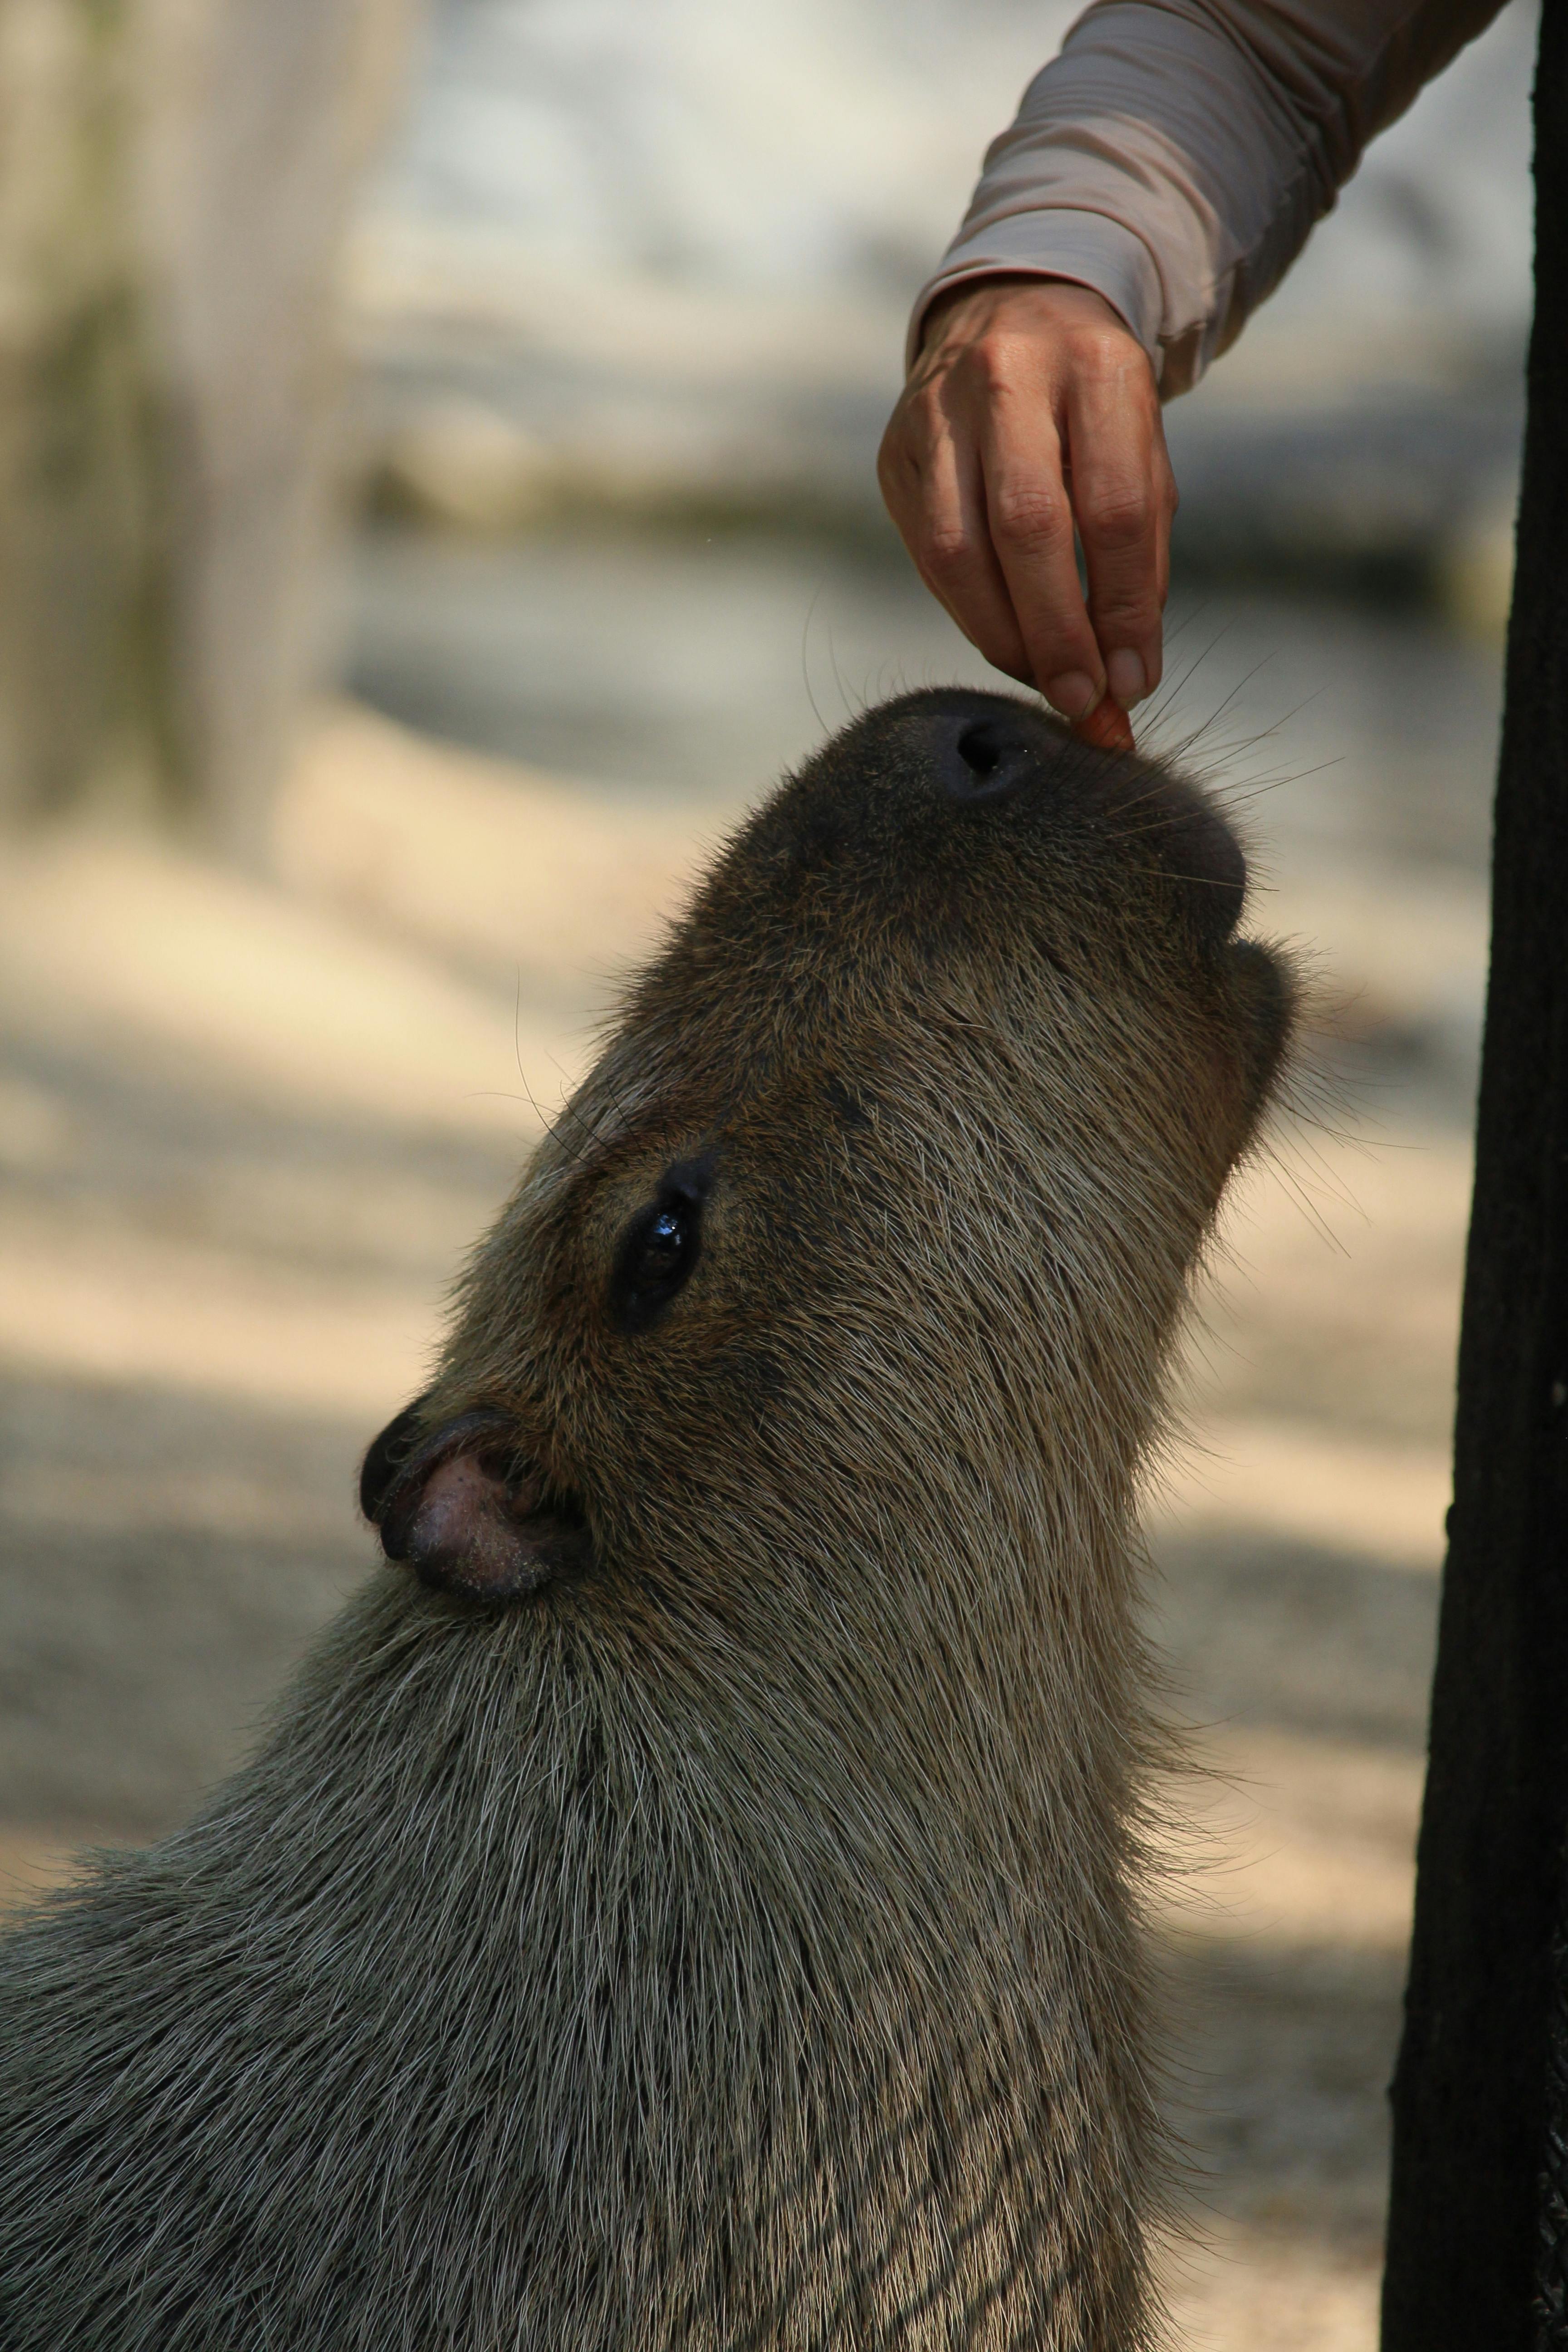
(1170, 164)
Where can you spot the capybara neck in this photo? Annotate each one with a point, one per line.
(690, 1898)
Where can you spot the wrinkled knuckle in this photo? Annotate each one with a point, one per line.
(1029, 516)
(945, 548)
(986, 364)
(1131, 593)
(1101, 350)
(1128, 607)
(1119, 518)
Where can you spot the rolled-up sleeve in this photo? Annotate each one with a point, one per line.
(1176, 154)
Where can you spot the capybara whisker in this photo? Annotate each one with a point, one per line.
(692, 1897)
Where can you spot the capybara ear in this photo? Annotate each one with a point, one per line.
(454, 1504)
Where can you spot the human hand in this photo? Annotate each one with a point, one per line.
(1030, 407)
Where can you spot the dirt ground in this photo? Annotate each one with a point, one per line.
(246, 1134)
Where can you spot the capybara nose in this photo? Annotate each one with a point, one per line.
(985, 754)
(987, 748)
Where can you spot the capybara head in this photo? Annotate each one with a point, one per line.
(690, 1899)
(875, 1213)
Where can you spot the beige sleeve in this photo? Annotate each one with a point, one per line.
(1177, 153)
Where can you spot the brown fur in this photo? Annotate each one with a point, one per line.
(709, 1917)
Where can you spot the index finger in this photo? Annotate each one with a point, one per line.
(1031, 523)
(1123, 499)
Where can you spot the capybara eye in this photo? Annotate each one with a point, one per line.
(665, 1245)
(661, 1246)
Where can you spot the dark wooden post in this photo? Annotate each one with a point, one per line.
(1478, 2094)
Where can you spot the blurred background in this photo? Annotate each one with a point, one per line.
(436, 497)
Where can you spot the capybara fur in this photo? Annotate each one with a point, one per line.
(692, 1896)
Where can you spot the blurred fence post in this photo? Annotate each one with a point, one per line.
(175, 184)
(1476, 2249)
(83, 679)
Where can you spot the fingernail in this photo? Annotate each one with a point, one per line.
(1128, 678)
(1074, 694)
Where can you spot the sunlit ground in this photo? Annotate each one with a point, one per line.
(246, 1135)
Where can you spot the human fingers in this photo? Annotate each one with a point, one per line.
(1029, 509)
(990, 348)
(934, 490)
(1123, 497)
(929, 470)
(990, 400)
(997, 352)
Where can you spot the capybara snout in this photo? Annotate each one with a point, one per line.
(692, 1896)
(946, 772)
(988, 747)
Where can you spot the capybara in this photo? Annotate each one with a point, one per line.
(692, 1896)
